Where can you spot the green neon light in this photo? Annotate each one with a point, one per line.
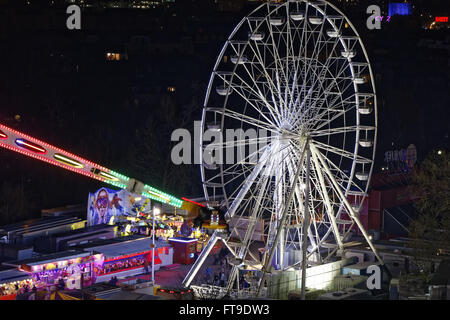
(149, 192)
(118, 175)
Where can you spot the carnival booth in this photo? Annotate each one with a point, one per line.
(184, 249)
(130, 256)
(72, 267)
(14, 282)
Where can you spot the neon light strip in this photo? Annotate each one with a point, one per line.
(127, 256)
(48, 146)
(109, 176)
(68, 161)
(160, 195)
(53, 162)
(173, 201)
(179, 240)
(29, 145)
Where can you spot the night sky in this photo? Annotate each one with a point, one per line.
(57, 86)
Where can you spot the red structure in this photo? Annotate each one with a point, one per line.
(184, 249)
(441, 19)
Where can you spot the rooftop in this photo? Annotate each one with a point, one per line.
(36, 224)
(58, 256)
(117, 247)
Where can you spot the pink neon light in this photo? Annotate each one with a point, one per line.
(27, 153)
(3, 127)
(126, 256)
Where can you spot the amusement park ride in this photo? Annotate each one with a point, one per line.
(299, 70)
(32, 147)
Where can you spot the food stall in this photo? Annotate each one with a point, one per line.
(129, 256)
(73, 267)
(13, 282)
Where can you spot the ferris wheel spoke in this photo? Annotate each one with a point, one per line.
(246, 184)
(332, 106)
(328, 132)
(247, 119)
(322, 96)
(278, 64)
(258, 95)
(345, 201)
(328, 204)
(339, 176)
(232, 170)
(271, 85)
(341, 152)
(265, 160)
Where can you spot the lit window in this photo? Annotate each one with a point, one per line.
(171, 89)
(113, 56)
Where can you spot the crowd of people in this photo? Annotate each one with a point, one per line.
(217, 274)
(122, 265)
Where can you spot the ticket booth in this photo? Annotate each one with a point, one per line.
(184, 249)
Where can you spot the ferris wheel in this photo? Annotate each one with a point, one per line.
(297, 74)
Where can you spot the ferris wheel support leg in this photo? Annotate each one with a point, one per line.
(346, 203)
(246, 186)
(306, 222)
(328, 203)
(201, 259)
(242, 252)
(282, 220)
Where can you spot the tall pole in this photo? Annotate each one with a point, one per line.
(306, 219)
(153, 251)
(153, 244)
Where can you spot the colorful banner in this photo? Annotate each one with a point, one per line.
(105, 205)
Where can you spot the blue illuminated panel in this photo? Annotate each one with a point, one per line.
(401, 9)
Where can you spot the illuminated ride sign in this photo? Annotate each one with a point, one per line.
(441, 19)
(29, 146)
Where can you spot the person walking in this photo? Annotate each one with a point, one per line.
(208, 274)
(222, 279)
(216, 280)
